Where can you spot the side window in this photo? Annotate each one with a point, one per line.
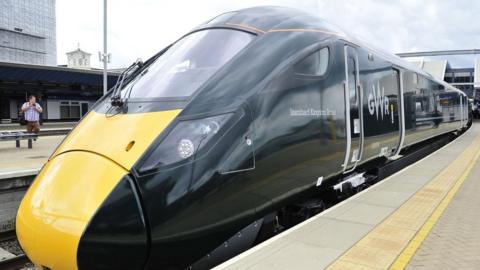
(352, 83)
(415, 78)
(427, 100)
(315, 64)
(437, 88)
(421, 100)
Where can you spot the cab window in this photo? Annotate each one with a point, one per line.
(189, 63)
(315, 64)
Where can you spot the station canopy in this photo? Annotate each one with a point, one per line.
(33, 78)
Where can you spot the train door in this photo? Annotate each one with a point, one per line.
(461, 111)
(353, 111)
(399, 106)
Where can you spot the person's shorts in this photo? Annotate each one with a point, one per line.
(33, 126)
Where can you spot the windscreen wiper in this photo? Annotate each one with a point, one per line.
(116, 98)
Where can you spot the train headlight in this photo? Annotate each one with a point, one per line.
(188, 140)
(185, 148)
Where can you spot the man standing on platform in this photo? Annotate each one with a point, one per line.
(31, 111)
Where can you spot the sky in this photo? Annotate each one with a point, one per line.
(139, 29)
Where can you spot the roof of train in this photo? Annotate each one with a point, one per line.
(270, 19)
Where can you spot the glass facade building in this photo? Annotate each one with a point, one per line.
(463, 79)
(27, 32)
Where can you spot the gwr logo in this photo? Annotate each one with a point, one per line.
(378, 103)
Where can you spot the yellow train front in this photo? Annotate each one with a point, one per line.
(70, 197)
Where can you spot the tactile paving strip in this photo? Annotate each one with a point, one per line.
(381, 247)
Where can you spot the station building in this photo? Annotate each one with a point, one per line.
(27, 32)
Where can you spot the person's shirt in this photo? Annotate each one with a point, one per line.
(31, 114)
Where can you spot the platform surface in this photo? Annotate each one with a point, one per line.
(16, 163)
(408, 220)
(44, 126)
(14, 159)
(454, 241)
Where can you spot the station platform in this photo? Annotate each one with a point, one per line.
(18, 166)
(426, 216)
(44, 126)
(15, 160)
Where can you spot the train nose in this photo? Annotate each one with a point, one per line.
(62, 220)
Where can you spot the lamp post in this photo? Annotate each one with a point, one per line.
(105, 57)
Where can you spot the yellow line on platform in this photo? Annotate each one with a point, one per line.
(392, 243)
(404, 258)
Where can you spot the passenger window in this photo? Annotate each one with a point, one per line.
(315, 64)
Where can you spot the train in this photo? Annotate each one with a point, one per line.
(197, 153)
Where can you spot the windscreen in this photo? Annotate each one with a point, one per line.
(189, 63)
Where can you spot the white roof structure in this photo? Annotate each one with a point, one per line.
(436, 68)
